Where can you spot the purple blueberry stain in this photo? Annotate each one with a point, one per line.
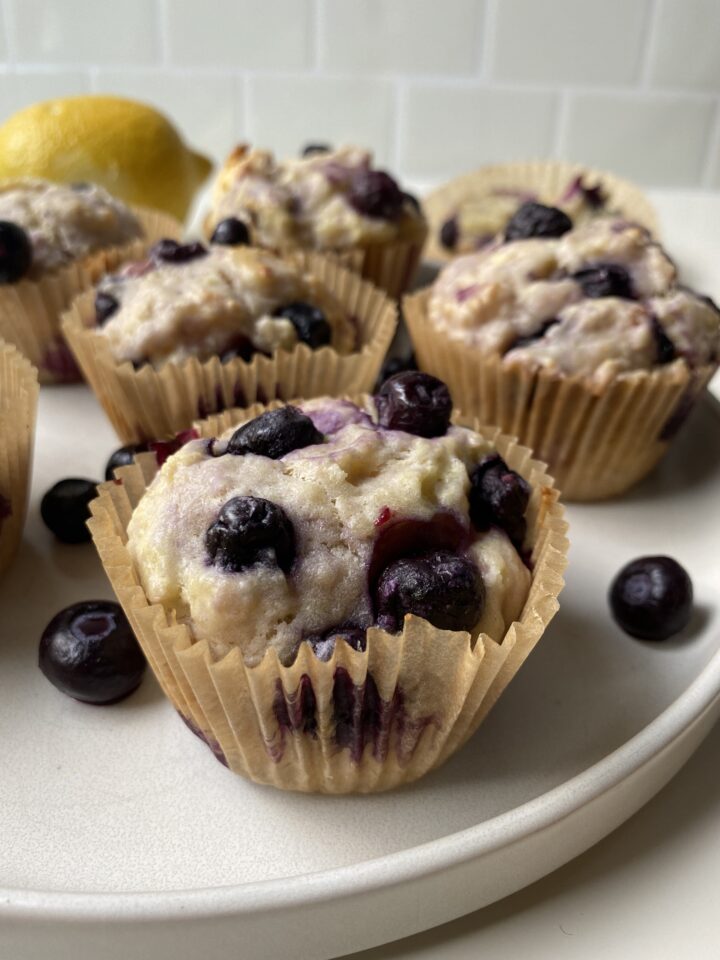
(60, 363)
(166, 448)
(209, 741)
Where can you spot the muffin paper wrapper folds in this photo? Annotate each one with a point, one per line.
(390, 266)
(362, 721)
(18, 406)
(30, 310)
(149, 402)
(598, 442)
(547, 179)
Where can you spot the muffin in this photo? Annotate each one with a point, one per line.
(333, 593)
(578, 340)
(18, 404)
(333, 201)
(470, 211)
(190, 330)
(57, 239)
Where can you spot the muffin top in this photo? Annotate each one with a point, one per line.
(64, 223)
(596, 301)
(328, 199)
(312, 523)
(189, 300)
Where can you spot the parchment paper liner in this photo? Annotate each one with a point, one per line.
(18, 406)
(597, 443)
(547, 178)
(446, 686)
(148, 403)
(30, 310)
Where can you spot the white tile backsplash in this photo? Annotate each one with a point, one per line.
(434, 88)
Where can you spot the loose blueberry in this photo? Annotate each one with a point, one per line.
(652, 598)
(88, 651)
(105, 306)
(15, 252)
(536, 220)
(323, 645)
(65, 509)
(251, 530)
(375, 194)
(395, 365)
(416, 403)
(310, 149)
(499, 497)
(170, 251)
(605, 280)
(123, 457)
(666, 352)
(275, 433)
(450, 233)
(309, 322)
(441, 587)
(231, 233)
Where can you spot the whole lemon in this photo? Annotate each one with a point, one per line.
(128, 147)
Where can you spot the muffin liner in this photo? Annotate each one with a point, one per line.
(148, 403)
(30, 310)
(390, 266)
(546, 178)
(18, 406)
(598, 442)
(362, 721)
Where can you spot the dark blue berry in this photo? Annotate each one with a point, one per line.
(411, 199)
(170, 251)
(450, 233)
(415, 402)
(250, 530)
(666, 352)
(442, 587)
(105, 306)
(275, 433)
(395, 365)
(375, 194)
(499, 497)
(536, 220)
(532, 337)
(310, 149)
(309, 322)
(231, 232)
(88, 651)
(123, 457)
(15, 252)
(241, 347)
(323, 644)
(652, 598)
(605, 280)
(65, 509)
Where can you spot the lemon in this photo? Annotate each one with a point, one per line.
(127, 147)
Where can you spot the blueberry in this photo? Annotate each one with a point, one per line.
(605, 280)
(105, 306)
(533, 337)
(652, 598)
(88, 651)
(499, 497)
(415, 402)
(442, 587)
(375, 194)
(170, 251)
(275, 433)
(65, 509)
(395, 365)
(123, 457)
(15, 252)
(666, 352)
(240, 346)
(536, 220)
(251, 530)
(323, 644)
(450, 233)
(309, 322)
(231, 233)
(310, 149)
(411, 199)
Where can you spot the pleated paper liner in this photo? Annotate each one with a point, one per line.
(30, 310)
(18, 405)
(390, 266)
(361, 722)
(546, 179)
(597, 444)
(148, 403)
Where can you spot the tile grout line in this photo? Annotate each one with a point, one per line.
(562, 122)
(712, 150)
(487, 41)
(650, 31)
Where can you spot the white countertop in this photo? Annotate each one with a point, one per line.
(648, 891)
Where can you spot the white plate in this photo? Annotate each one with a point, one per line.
(120, 835)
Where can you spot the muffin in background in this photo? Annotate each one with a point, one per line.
(332, 201)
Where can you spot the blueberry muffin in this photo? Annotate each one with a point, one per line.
(329, 200)
(357, 572)
(55, 240)
(548, 325)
